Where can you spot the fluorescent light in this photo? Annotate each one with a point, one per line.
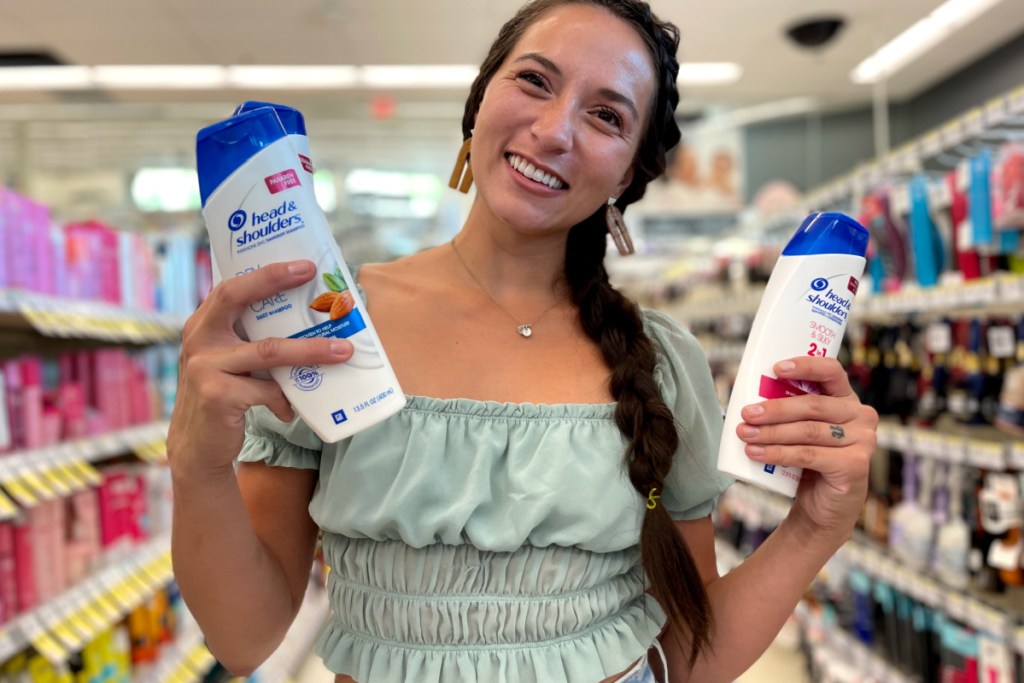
(921, 37)
(709, 73)
(45, 78)
(160, 77)
(289, 77)
(759, 113)
(425, 76)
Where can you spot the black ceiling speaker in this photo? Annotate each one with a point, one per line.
(816, 32)
(28, 58)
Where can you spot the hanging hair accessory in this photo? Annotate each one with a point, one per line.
(652, 500)
(617, 228)
(462, 171)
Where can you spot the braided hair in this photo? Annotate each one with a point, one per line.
(615, 324)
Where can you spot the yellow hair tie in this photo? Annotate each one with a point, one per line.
(652, 500)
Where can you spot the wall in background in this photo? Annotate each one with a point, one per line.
(811, 150)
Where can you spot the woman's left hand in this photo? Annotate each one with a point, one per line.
(831, 435)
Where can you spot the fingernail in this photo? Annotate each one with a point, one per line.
(339, 348)
(755, 451)
(749, 431)
(754, 410)
(298, 267)
(785, 366)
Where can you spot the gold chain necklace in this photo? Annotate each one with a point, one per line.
(524, 329)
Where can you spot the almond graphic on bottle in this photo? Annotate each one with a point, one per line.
(338, 302)
(324, 302)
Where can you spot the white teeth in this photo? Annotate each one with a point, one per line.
(534, 173)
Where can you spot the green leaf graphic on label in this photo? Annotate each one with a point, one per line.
(335, 284)
(341, 279)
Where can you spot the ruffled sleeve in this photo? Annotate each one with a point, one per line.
(683, 375)
(279, 444)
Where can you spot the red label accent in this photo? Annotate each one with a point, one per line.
(307, 163)
(853, 284)
(280, 182)
(772, 387)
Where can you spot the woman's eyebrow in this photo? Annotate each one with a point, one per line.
(613, 95)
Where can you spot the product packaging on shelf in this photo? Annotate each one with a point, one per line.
(259, 207)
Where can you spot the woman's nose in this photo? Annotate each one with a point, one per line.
(554, 126)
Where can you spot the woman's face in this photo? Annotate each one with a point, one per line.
(572, 100)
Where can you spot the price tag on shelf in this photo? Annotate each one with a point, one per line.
(939, 338)
(901, 438)
(138, 586)
(1017, 455)
(20, 491)
(956, 606)
(50, 474)
(975, 615)
(68, 636)
(931, 144)
(951, 134)
(1002, 342)
(43, 641)
(954, 448)
(884, 435)
(8, 510)
(931, 593)
(1018, 640)
(34, 481)
(990, 455)
(89, 473)
(995, 112)
(974, 123)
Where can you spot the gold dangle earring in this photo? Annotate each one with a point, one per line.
(462, 168)
(617, 228)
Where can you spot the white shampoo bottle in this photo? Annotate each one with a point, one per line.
(804, 311)
(259, 208)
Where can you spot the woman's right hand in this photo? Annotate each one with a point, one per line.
(214, 385)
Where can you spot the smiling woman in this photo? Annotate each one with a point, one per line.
(540, 510)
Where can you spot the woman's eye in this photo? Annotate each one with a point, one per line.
(532, 78)
(609, 116)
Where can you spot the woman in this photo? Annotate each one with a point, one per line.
(489, 531)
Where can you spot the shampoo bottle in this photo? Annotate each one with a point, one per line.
(259, 208)
(804, 311)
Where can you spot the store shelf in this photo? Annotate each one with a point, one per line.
(938, 149)
(56, 317)
(64, 625)
(1001, 615)
(835, 648)
(997, 295)
(983, 447)
(187, 660)
(29, 477)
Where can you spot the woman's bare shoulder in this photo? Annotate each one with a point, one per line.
(409, 276)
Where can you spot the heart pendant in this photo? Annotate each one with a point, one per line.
(525, 330)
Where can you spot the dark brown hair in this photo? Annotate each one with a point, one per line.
(615, 323)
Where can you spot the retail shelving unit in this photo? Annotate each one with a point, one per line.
(125, 576)
(719, 314)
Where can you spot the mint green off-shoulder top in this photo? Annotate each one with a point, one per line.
(483, 541)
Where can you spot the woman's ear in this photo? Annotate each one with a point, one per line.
(624, 183)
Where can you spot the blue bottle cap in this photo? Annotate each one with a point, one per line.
(291, 118)
(828, 233)
(223, 147)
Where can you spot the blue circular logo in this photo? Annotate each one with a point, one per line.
(819, 283)
(307, 377)
(237, 220)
